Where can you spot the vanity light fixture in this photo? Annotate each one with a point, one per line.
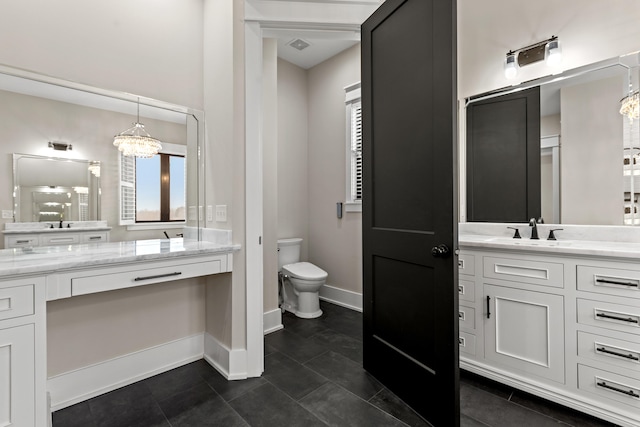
(60, 146)
(548, 50)
(136, 141)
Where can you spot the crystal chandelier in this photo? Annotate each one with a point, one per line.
(136, 141)
(630, 106)
(94, 168)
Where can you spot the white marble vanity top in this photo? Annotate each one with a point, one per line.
(45, 227)
(608, 241)
(43, 259)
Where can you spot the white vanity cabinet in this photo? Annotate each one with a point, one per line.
(55, 237)
(561, 326)
(22, 352)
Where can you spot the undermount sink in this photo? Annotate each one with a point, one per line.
(529, 242)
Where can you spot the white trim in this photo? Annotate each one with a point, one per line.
(232, 364)
(341, 297)
(353, 206)
(156, 226)
(81, 384)
(272, 321)
(174, 149)
(254, 353)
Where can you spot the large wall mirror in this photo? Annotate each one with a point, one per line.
(586, 149)
(40, 114)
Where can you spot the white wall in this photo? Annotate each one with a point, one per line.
(151, 48)
(588, 30)
(335, 245)
(592, 152)
(292, 154)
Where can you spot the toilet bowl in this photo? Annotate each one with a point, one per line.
(300, 281)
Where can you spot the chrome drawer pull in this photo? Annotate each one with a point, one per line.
(461, 341)
(615, 353)
(614, 282)
(461, 290)
(622, 319)
(22, 241)
(619, 390)
(158, 276)
(95, 237)
(461, 315)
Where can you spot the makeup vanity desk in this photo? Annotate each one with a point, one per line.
(31, 276)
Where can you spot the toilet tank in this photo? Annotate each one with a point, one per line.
(288, 251)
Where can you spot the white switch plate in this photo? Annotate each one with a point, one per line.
(209, 213)
(193, 215)
(221, 213)
(7, 214)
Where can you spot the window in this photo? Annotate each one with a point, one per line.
(153, 190)
(353, 102)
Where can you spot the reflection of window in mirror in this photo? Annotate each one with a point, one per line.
(152, 190)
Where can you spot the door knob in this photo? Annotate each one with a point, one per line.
(440, 251)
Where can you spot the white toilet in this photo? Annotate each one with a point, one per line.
(300, 281)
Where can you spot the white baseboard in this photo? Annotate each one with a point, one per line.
(81, 384)
(272, 321)
(232, 364)
(342, 297)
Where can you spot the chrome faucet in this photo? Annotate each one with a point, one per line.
(534, 231)
(60, 226)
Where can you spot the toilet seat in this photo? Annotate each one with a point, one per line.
(304, 271)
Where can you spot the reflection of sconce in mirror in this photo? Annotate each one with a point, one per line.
(81, 190)
(548, 50)
(94, 168)
(630, 106)
(60, 146)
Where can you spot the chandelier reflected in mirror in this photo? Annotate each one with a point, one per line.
(630, 106)
(136, 141)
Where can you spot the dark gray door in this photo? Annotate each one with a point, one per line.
(409, 217)
(503, 158)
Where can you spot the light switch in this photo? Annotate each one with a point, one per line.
(209, 213)
(6, 214)
(221, 213)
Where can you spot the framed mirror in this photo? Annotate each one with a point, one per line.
(38, 110)
(51, 189)
(580, 144)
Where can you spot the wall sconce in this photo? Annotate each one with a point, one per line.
(548, 50)
(60, 146)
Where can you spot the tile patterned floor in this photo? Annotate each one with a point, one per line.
(313, 377)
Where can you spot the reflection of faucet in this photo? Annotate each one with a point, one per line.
(60, 224)
(534, 230)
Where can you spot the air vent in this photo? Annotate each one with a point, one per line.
(299, 44)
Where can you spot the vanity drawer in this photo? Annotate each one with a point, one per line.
(96, 237)
(24, 240)
(467, 317)
(623, 318)
(16, 302)
(467, 264)
(624, 354)
(609, 281)
(467, 343)
(612, 386)
(525, 271)
(466, 290)
(57, 239)
(94, 282)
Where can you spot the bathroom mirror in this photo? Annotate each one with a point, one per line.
(51, 189)
(583, 138)
(39, 111)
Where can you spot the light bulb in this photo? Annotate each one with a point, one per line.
(554, 53)
(510, 67)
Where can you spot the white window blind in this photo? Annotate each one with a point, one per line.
(353, 103)
(127, 190)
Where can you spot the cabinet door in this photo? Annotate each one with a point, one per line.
(17, 389)
(524, 330)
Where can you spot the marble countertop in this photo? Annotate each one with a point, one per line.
(56, 230)
(600, 241)
(48, 259)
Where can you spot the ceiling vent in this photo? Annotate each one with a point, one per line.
(299, 44)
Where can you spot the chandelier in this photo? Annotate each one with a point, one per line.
(136, 141)
(94, 168)
(630, 106)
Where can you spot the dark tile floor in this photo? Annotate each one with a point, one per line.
(313, 377)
